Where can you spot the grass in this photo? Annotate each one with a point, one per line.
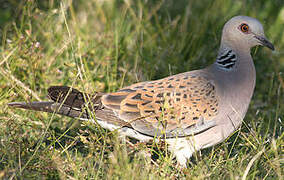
(105, 45)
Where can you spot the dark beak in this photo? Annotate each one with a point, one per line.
(265, 42)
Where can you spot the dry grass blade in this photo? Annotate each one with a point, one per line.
(251, 163)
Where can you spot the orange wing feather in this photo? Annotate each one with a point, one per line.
(164, 105)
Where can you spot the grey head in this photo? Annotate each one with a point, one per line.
(244, 32)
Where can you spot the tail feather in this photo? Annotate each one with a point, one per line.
(51, 107)
(73, 103)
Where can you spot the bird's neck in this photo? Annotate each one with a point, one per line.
(231, 58)
(226, 59)
(235, 63)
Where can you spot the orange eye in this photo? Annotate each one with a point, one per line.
(244, 28)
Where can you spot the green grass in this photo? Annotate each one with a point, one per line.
(105, 45)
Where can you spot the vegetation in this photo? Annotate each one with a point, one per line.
(103, 45)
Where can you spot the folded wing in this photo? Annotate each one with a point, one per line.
(178, 105)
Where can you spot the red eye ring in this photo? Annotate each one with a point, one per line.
(244, 28)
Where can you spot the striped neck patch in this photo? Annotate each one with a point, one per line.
(226, 59)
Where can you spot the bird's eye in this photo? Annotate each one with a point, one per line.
(244, 28)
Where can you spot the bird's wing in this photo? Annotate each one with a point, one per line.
(184, 103)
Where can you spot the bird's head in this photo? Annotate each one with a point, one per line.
(245, 32)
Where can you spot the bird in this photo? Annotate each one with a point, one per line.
(189, 111)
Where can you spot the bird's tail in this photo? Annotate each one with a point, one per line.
(65, 101)
(51, 107)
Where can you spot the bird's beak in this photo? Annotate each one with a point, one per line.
(263, 41)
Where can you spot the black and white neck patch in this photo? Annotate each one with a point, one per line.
(226, 59)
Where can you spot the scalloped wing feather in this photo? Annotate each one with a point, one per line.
(164, 105)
